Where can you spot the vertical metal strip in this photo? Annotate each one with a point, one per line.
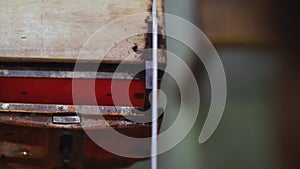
(154, 87)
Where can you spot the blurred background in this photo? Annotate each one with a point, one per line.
(257, 41)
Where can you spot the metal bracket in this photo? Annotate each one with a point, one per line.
(66, 118)
(149, 73)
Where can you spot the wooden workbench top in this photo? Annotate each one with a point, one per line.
(66, 31)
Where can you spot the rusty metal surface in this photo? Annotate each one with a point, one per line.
(83, 109)
(53, 31)
(88, 122)
(19, 166)
(66, 74)
(84, 154)
(17, 150)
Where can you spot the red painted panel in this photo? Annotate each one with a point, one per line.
(59, 91)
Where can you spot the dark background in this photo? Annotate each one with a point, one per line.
(258, 43)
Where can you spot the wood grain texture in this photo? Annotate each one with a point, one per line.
(91, 30)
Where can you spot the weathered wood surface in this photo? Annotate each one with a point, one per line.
(38, 30)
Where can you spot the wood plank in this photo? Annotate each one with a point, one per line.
(37, 30)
